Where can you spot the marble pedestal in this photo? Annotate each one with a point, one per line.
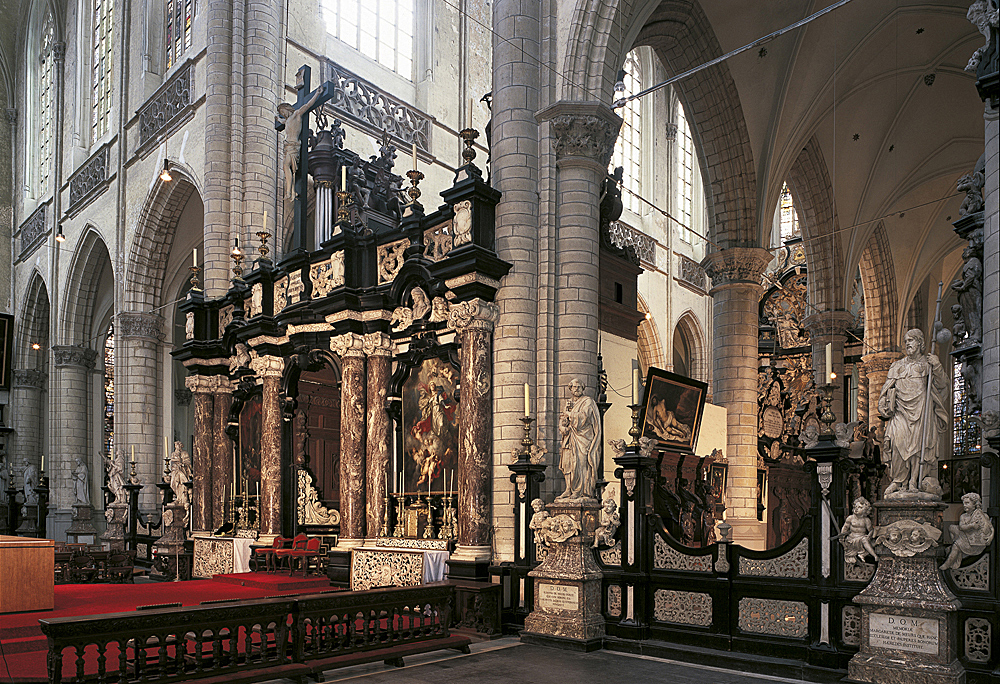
(82, 531)
(909, 617)
(29, 521)
(169, 549)
(114, 536)
(567, 585)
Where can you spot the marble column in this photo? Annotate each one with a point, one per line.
(270, 369)
(474, 321)
(203, 388)
(862, 415)
(222, 455)
(876, 372)
(350, 348)
(736, 292)
(379, 348)
(830, 327)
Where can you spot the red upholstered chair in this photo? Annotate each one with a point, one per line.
(304, 554)
(298, 546)
(268, 555)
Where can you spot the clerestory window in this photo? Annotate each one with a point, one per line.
(381, 30)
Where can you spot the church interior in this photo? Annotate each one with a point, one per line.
(676, 327)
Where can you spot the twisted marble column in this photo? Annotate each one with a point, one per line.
(378, 347)
(736, 292)
(474, 321)
(203, 388)
(222, 456)
(350, 348)
(269, 369)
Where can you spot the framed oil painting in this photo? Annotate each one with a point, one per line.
(430, 427)
(672, 409)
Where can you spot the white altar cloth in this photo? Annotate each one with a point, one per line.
(221, 555)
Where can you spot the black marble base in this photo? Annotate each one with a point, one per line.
(338, 568)
(579, 645)
(478, 571)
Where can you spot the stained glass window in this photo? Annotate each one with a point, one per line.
(789, 218)
(180, 15)
(109, 391)
(381, 30)
(103, 30)
(685, 176)
(965, 434)
(46, 93)
(628, 147)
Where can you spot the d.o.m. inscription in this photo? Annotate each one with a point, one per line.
(903, 633)
(558, 597)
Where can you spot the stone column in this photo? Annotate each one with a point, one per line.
(736, 292)
(222, 454)
(474, 321)
(379, 348)
(350, 348)
(526, 320)
(73, 365)
(26, 401)
(218, 144)
(270, 369)
(991, 264)
(201, 451)
(830, 327)
(876, 372)
(137, 385)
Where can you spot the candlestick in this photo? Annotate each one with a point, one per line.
(527, 394)
(829, 360)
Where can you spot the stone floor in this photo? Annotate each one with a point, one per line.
(507, 660)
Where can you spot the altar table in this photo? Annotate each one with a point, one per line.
(376, 566)
(27, 574)
(221, 555)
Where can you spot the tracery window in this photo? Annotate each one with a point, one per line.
(788, 217)
(103, 30)
(46, 95)
(381, 30)
(180, 16)
(628, 147)
(965, 433)
(109, 391)
(685, 177)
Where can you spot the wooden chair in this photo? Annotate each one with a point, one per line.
(298, 547)
(82, 569)
(309, 552)
(268, 554)
(120, 567)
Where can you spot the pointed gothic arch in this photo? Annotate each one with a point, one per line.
(33, 326)
(689, 330)
(649, 347)
(87, 269)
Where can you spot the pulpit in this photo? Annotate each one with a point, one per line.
(27, 574)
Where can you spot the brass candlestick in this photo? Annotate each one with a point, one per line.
(344, 201)
(468, 136)
(263, 235)
(635, 431)
(194, 277)
(237, 257)
(526, 442)
(415, 178)
(827, 417)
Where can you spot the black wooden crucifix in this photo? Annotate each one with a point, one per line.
(295, 155)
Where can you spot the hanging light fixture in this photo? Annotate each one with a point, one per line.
(165, 173)
(60, 237)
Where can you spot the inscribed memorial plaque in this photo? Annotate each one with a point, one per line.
(903, 633)
(558, 597)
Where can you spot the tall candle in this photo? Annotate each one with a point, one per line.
(635, 386)
(527, 395)
(42, 467)
(414, 156)
(829, 360)
(469, 122)
(343, 178)
(194, 259)
(133, 453)
(265, 220)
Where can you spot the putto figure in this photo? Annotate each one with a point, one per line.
(856, 535)
(913, 400)
(971, 535)
(580, 427)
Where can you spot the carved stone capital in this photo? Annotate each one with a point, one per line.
(133, 324)
(200, 384)
(878, 362)
(221, 384)
(29, 378)
(826, 324)
(737, 266)
(74, 355)
(59, 51)
(348, 344)
(583, 129)
(473, 314)
(268, 366)
(378, 344)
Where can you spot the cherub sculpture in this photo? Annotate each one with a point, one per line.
(856, 534)
(971, 535)
(610, 520)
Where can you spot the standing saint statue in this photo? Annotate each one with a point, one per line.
(116, 476)
(30, 482)
(913, 400)
(81, 482)
(580, 427)
(180, 475)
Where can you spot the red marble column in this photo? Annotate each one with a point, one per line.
(378, 348)
(222, 457)
(204, 409)
(474, 321)
(350, 349)
(269, 369)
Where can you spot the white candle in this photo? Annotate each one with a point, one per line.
(343, 179)
(194, 260)
(414, 156)
(829, 361)
(42, 467)
(469, 122)
(265, 220)
(635, 386)
(527, 395)
(133, 453)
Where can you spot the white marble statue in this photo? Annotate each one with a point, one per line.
(180, 475)
(539, 526)
(81, 482)
(580, 428)
(30, 482)
(116, 476)
(913, 428)
(971, 535)
(856, 534)
(610, 520)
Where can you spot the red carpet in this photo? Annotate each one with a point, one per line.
(24, 646)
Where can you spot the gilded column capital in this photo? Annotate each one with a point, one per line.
(737, 266)
(475, 314)
(377, 344)
(825, 324)
(268, 366)
(585, 130)
(348, 344)
(132, 324)
(74, 355)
